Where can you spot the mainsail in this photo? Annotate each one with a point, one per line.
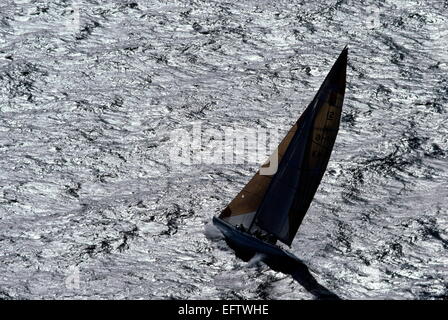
(277, 203)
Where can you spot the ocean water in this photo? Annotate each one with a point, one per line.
(95, 96)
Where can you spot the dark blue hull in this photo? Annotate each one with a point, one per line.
(248, 245)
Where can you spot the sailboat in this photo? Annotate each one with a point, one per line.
(271, 207)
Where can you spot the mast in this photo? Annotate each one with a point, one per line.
(277, 203)
(292, 189)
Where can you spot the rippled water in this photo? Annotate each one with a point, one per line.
(91, 91)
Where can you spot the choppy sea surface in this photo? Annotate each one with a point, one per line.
(91, 94)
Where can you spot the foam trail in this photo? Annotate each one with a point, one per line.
(212, 233)
(258, 257)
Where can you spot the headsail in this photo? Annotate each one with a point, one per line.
(242, 209)
(279, 202)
